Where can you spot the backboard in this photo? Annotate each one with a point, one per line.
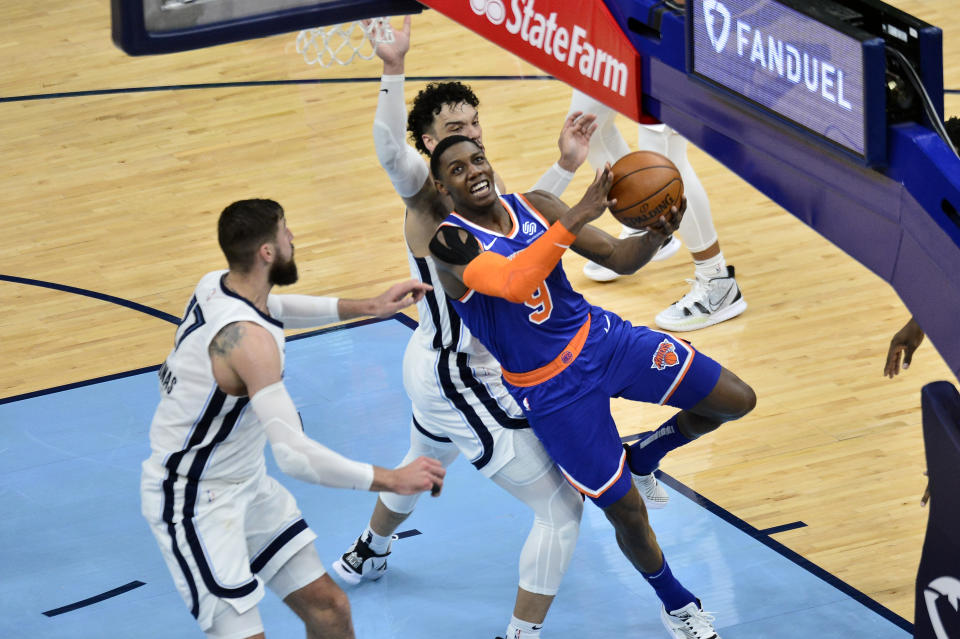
(164, 26)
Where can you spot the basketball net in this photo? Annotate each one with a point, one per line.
(343, 43)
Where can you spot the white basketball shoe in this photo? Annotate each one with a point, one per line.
(599, 273)
(689, 622)
(653, 494)
(710, 301)
(361, 563)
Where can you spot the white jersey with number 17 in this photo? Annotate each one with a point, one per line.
(198, 431)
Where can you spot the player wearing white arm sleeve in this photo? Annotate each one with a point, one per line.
(224, 527)
(459, 402)
(714, 295)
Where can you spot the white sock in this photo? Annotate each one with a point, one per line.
(712, 267)
(519, 629)
(377, 543)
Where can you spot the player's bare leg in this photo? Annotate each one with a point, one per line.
(730, 399)
(635, 537)
(384, 521)
(681, 612)
(531, 607)
(324, 609)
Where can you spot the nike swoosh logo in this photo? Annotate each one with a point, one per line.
(384, 90)
(713, 306)
(486, 247)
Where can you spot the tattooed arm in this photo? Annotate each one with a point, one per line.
(248, 348)
(246, 361)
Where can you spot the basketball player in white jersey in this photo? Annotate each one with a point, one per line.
(714, 294)
(460, 404)
(224, 527)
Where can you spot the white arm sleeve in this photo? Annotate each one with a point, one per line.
(303, 311)
(298, 455)
(406, 169)
(554, 181)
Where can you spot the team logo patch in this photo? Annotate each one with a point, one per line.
(567, 357)
(666, 356)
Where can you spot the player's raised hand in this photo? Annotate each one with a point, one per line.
(423, 473)
(398, 297)
(574, 140)
(393, 53)
(904, 343)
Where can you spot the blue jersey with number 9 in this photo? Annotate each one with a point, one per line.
(523, 337)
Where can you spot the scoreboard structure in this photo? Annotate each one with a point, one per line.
(830, 109)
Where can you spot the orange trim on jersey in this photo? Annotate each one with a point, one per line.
(550, 370)
(610, 482)
(533, 210)
(513, 218)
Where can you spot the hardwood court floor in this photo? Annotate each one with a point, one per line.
(119, 194)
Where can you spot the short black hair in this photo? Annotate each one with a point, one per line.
(428, 104)
(244, 227)
(442, 146)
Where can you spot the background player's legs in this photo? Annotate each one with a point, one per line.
(367, 556)
(714, 295)
(532, 478)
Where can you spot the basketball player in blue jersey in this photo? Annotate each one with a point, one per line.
(563, 359)
(459, 402)
(226, 528)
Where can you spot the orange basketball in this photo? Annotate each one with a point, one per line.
(645, 185)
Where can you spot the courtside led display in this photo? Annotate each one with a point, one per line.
(785, 61)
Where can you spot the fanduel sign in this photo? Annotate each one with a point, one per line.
(577, 42)
(784, 61)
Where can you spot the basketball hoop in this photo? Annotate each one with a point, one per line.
(343, 43)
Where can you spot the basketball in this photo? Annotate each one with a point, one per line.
(645, 186)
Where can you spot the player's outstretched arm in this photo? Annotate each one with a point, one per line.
(406, 169)
(246, 360)
(396, 298)
(574, 143)
(308, 311)
(904, 342)
(394, 53)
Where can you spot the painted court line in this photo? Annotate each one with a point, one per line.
(95, 599)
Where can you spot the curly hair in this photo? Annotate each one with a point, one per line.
(428, 104)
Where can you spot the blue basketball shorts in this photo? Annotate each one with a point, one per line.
(570, 412)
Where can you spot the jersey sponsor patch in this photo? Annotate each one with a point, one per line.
(666, 356)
